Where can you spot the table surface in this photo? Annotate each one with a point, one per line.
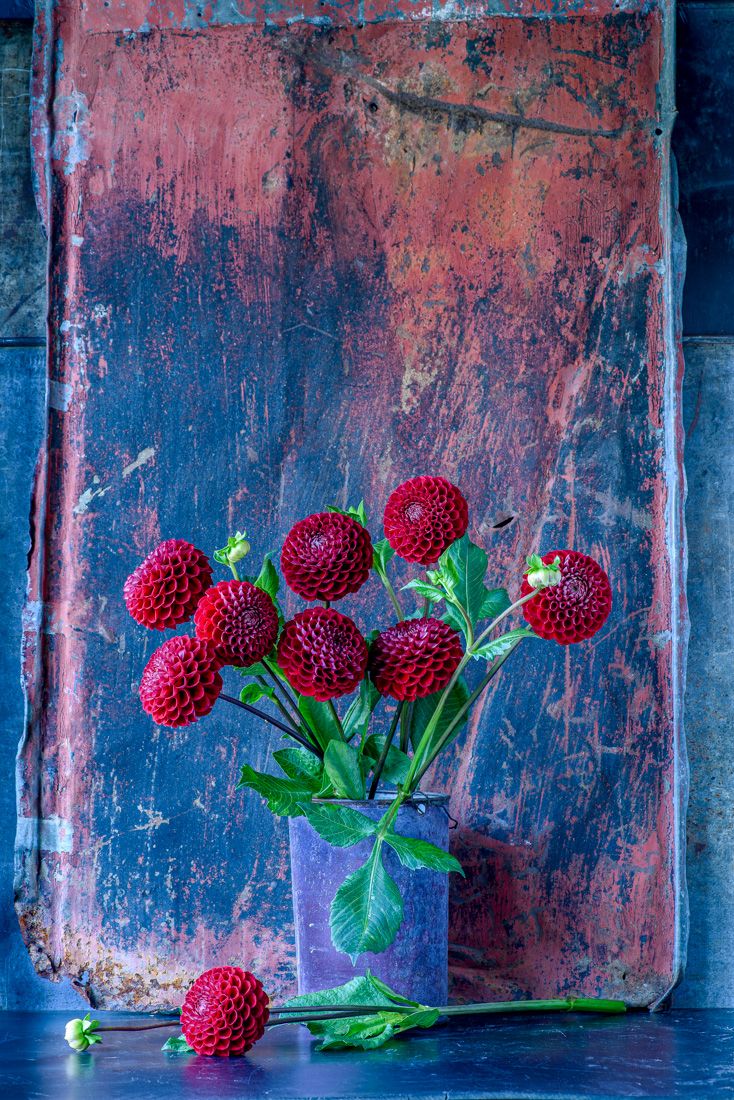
(674, 1054)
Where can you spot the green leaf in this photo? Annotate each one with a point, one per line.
(466, 564)
(496, 600)
(416, 854)
(300, 764)
(283, 795)
(258, 669)
(320, 718)
(177, 1044)
(339, 825)
(368, 1031)
(503, 645)
(251, 693)
(357, 718)
(367, 910)
(357, 513)
(397, 763)
(428, 591)
(268, 578)
(383, 554)
(423, 709)
(341, 766)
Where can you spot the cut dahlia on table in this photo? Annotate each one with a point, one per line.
(225, 1012)
(415, 677)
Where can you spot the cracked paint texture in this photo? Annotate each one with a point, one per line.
(296, 260)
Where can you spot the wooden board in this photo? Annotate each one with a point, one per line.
(297, 260)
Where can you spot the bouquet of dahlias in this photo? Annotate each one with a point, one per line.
(298, 668)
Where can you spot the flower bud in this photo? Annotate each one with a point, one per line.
(542, 575)
(238, 549)
(79, 1034)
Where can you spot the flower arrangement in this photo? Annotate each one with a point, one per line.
(298, 668)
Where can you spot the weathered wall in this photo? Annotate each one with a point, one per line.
(22, 389)
(466, 226)
(704, 146)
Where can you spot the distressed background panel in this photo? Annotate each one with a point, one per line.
(457, 226)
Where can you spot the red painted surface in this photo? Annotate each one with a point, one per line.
(291, 264)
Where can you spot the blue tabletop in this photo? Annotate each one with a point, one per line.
(673, 1054)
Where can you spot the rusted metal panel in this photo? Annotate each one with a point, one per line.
(298, 259)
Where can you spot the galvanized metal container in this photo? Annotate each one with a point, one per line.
(416, 964)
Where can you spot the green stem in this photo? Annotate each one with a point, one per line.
(405, 720)
(315, 1014)
(391, 593)
(418, 761)
(567, 1004)
(508, 611)
(385, 750)
(336, 718)
(293, 705)
(233, 567)
(468, 628)
(448, 732)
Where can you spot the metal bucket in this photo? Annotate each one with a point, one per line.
(416, 963)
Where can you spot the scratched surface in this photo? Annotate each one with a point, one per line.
(293, 263)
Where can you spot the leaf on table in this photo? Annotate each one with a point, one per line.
(369, 1031)
(176, 1044)
(367, 910)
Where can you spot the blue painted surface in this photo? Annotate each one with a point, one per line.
(22, 373)
(669, 1055)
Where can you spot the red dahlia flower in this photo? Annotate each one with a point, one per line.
(423, 517)
(576, 607)
(165, 588)
(414, 658)
(181, 681)
(326, 555)
(240, 619)
(322, 653)
(225, 1012)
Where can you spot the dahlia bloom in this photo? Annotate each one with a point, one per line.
(414, 658)
(225, 1012)
(322, 653)
(326, 555)
(239, 619)
(181, 681)
(165, 588)
(576, 607)
(423, 517)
